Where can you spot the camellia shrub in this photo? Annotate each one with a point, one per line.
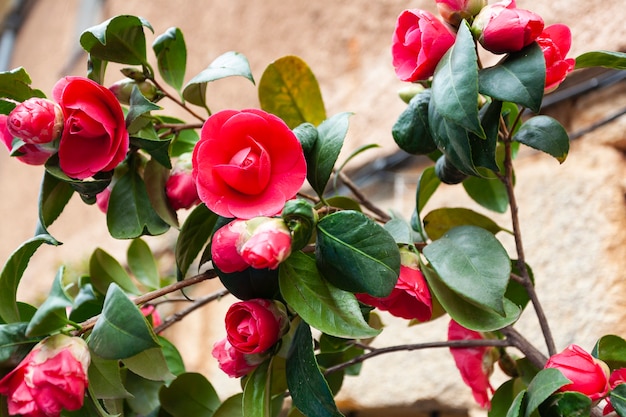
(265, 219)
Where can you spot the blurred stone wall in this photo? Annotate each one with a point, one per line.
(573, 216)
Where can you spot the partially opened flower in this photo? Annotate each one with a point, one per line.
(254, 326)
(555, 42)
(36, 121)
(454, 11)
(233, 362)
(29, 153)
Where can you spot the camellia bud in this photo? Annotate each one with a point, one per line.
(36, 121)
(30, 154)
(225, 247)
(454, 11)
(122, 89)
(180, 187)
(269, 243)
(234, 363)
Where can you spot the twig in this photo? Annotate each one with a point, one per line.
(384, 217)
(178, 316)
(176, 100)
(516, 339)
(177, 127)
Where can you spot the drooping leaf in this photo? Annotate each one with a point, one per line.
(194, 235)
(15, 85)
(121, 330)
(87, 303)
(323, 306)
(139, 106)
(308, 388)
(12, 274)
(472, 263)
(229, 64)
(104, 270)
(545, 134)
(411, 131)
(171, 53)
(51, 315)
(566, 404)
(542, 386)
(256, 401)
(519, 79)
(356, 254)
(288, 88)
(142, 264)
(105, 378)
(607, 59)
(14, 345)
(612, 350)
(53, 197)
(190, 394)
(488, 191)
(321, 161)
(119, 39)
(149, 364)
(440, 221)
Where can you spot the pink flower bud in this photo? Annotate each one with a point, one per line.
(502, 28)
(555, 41)
(225, 247)
(52, 377)
(36, 121)
(474, 363)
(410, 299)
(30, 154)
(269, 243)
(102, 199)
(589, 376)
(181, 191)
(454, 11)
(254, 326)
(150, 311)
(233, 362)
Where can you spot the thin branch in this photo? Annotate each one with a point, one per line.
(178, 316)
(177, 127)
(516, 339)
(384, 217)
(176, 100)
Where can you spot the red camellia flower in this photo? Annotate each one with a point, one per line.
(247, 164)
(502, 27)
(410, 299)
(474, 363)
(419, 41)
(589, 376)
(181, 191)
(454, 11)
(617, 377)
(234, 363)
(225, 245)
(52, 377)
(36, 121)
(30, 154)
(150, 311)
(269, 243)
(254, 326)
(94, 136)
(555, 41)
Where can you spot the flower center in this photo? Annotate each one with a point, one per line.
(248, 170)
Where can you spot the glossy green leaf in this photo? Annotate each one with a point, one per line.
(194, 235)
(190, 394)
(256, 400)
(155, 177)
(172, 356)
(515, 291)
(566, 404)
(51, 315)
(516, 408)
(86, 189)
(455, 85)
(119, 39)
(307, 135)
(142, 264)
(411, 131)
(15, 85)
(612, 350)
(401, 232)
(427, 184)
(356, 254)
(231, 407)
(546, 382)
(145, 395)
(288, 88)
(608, 59)
(301, 218)
(544, 134)
(121, 330)
(308, 388)
(519, 79)
(503, 398)
(139, 106)
(53, 197)
(150, 364)
(14, 345)
(105, 378)
(618, 399)
(229, 64)
(484, 149)
(105, 270)
(12, 274)
(96, 69)
(87, 303)
(342, 202)
(250, 283)
(323, 306)
(440, 221)
(130, 213)
(171, 53)
(488, 191)
(321, 161)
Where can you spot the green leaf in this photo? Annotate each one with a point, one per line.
(503, 398)
(172, 356)
(142, 264)
(484, 150)
(105, 378)
(411, 131)
(229, 64)
(440, 221)
(86, 189)
(194, 235)
(15, 85)
(607, 59)
(356, 254)
(171, 53)
(472, 263)
(519, 79)
(87, 303)
(329, 309)
(544, 134)
(190, 394)
(119, 39)
(53, 197)
(612, 350)
(455, 84)
(145, 395)
(51, 315)
(289, 90)
(139, 106)
(256, 400)
(516, 408)
(12, 274)
(308, 388)
(566, 404)
(149, 364)
(427, 184)
(488, 191)
(618, 399)
(121, 330)
(105, 270)
(307, 135)
(300, 218)
(130, 213)
(542, 386)
(155, 177)
(401, 232)
(232, 407)
(14, 345)
(321, 161)
(453, 141)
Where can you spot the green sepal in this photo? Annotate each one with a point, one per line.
(301, 218)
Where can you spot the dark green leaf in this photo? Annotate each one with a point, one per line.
(608, 59)
(542, 386)
(329, 309)
(51, 315)
(229, 64)
(307, 135)
(86, 303)
(15, 85)
(12, 274)
(130, 213)
(411, 131)
(142, 264)
(503, 398)
(105, 379)
(289, 90)
(194, 235)
(566, 404)
(484, 150)
(155, 177)
(453, 141)
(426, 187)
(250, 283)
(172, 356)
(488, 191)
(516, 407)
(139, 106)
(145, 394)
(86, 189)
(519, 79)
(119, 39)
(149, 364)
(105, 270)
(515, 291)
(53, 197)
(171, 53)
(190, 394)
(472, 263)
(440, 221)
(356, 254)
(14, 345)
(121, 330)
(321, 161)
(256, 400)
(544, 134)
(308, 388)
(618, 399)
(612, 350)
(232, 407)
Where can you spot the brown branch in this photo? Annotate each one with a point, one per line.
(383, 217)
(176, 100)
(178, 316)
(532, 353)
